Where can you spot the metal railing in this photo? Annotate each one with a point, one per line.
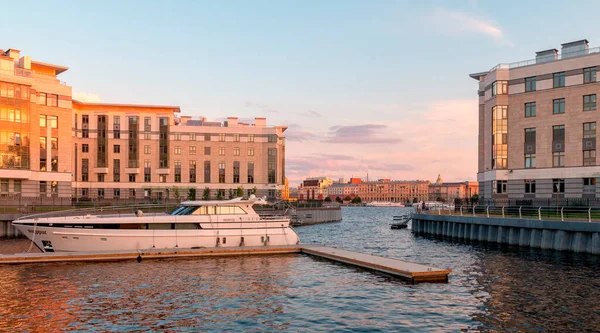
(18, 72)
(559, 213)
(529, 62)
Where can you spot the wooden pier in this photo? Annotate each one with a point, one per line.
(411, 272)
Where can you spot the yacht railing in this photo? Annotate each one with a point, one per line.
(108, 211)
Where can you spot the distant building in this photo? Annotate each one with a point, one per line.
(314, 188)
(285, 193)
(342, 191)
(440, 191)
(293, 194)
(394, 191)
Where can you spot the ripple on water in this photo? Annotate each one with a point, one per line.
(491, 288)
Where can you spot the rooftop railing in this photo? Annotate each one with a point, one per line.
(547, 59)
(17, 72)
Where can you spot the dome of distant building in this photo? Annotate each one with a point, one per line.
(439, 180)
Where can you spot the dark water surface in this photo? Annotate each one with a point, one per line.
(491, 289)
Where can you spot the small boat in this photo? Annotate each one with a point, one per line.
(194, 224)
(400, 222)
(384, 204)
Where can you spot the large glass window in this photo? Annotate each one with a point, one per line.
(589, 102)
(529, 161)
(589, 130)
(221, 172)
(499, 88)
(501, 186)
(589, 157)
(558, 79)
(500, 137)
(529, 186)
(558, 159)
(558, 185)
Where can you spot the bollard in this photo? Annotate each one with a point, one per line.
(461, 211)
(590, 214)
(474, 210)
(502, 211)
(540, 213)
(520, 216)
(562, 217)
(487, 210)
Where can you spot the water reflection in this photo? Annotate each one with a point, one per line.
(491, 289)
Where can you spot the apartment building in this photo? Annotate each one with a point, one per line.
(342, 190)
(448, 192)
(51, 145)
(314, 188)
(394, 190)
(538, 126)
(35, 127)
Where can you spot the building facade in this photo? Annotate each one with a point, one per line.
(538, 126)
(342, 191)
(56, 147)
(314, 188)
(394, 190)
(448, 192)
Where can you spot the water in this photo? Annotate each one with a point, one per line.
(491, 289)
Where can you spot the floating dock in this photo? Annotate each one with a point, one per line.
(411, 272)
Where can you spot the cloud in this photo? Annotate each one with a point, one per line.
(459, 22)
(262, 107)
(86, 97)
(298, 133)
(266, 108)
(361, 134)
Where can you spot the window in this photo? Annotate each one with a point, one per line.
(589, 130)
(162, 178)
(530, 83)
(589, 75)
(499, 88)
(530, 109)
(17, 186)
(558, 133)
(529, 161)
(132, 177)
(42, 187)
(52, 100)
(206, 137)
(221, 137)
(250, 151)
(192, 150)
(116, 170)
(85, 148)
(117, 149)
(236, 138)
(177, 171)
(272, 165)
(52, 121)
(42, 100)
(236, 151)
(500, 137)
(589, 157)
(192, 171)
(558, 185)
(4, 185)
(177, 150)
(221, 151)
(85, 120)
(116, 193)
(116, 127)
(501, 186)
(100, 193)
(559, 106)
(101, 178)
(558, 159)
(236, 172)
(42, 120)
(272, 138)
(192, 136)
(589, 181)
(250, 137)
(529, 186)
(147, 171)
(206, 150)
(589, 102)
(177, 136)
(558, 80)
(221, 172)
(250, 172)
(132, 193)
(84, 170)
(207, 171)
(147, 149)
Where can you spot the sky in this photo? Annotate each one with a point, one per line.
(377, 88)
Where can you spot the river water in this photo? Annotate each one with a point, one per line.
(491, 288)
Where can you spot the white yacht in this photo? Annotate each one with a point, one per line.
(193, 224)
(384, 204)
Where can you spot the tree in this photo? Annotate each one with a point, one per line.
(338, 199)
(328, 199)
(239, 191)
(415, 200)
(220, 194)
(230, 193)
(206, 194)
(191, 193)
(254, 190)
(475, 198)
(356, 200)
(176, 193)
(440, 199)
(347, 198)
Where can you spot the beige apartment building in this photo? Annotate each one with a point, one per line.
(449, 191)
(393, 190)
(538, 126)
(53, 146)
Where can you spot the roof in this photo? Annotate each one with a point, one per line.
(476, 76)
(233, 202)
(175, 108)
(57, 68)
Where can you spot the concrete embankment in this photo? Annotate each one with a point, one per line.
(7, 230)
(307, 216)
(544, 234)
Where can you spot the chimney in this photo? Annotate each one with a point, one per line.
(546, 56)
(14, 54)
(232, 122)
(25, 62)
(574, 49)
(260, 122)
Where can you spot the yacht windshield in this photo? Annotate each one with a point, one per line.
(184, 210)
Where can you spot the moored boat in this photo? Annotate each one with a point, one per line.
(384, 204)
(193, 224)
